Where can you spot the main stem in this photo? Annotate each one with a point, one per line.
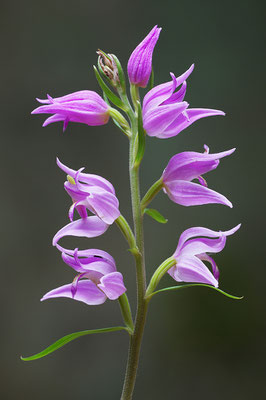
(142, 304)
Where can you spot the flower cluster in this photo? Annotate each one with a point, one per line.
(164, 115)
(98, 278)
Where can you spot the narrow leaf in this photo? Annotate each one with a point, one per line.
(140, 138)
(111, 96)
(155, 215)
(198, 284)
(68, 338)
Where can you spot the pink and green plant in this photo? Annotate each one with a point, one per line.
(163, 113)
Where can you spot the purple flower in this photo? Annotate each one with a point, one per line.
(192, 250)
(85, 106)
(183, 168)
(96, 281)
(165, 114)
(88, 227)
(140, 62)
(90, 192)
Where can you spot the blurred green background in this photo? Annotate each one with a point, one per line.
(197, 344)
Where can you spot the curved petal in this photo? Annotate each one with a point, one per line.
(202, 245)
(161, 93)
(89, 179)
(200, 231)
(80, 209)
(88, 253)
(112, 285)
(87, 227)
(185, 120)
(76, 113)
(177, 96)
(193, 194)
(215, 270)
(81, 95)
(102, 203)
(191, 269)
(189, 165)
(54, 118)
(86, 292)
(92, 263)
(156, 121)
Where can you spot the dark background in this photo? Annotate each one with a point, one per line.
(197, 344)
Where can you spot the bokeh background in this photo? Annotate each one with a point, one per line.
(197, 344)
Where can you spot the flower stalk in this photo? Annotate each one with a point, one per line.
(136, 338)
(151, 193)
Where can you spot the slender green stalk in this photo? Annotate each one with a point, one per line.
(151, 193)
(142, 303)
(127, 232)
(158, 274)
(126, 312)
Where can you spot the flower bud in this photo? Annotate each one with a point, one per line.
(140, 62)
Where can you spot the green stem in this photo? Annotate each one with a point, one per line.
(127, 232)
(134, 91)
(136, 338)
(126, 312)
(158, 274)
(151, 193)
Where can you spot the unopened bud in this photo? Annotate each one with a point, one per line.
(108, 67)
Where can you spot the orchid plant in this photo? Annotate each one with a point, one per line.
(162, 113)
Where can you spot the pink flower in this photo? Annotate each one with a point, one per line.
(96, 281)
(85, 106)
(165, 113)
(193, 247)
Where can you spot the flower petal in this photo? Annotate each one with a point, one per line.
(202, 245)
(156, 121)
(189, 165)
(215, 270)
(102, 203)
(86, 292)
(89, 179)
(87, 227)
(91, 263)
(177, 96)
(112, 285)
(200, 231)
(193, 194)
(54, 118)
(191, 269)
(161, 93)
(183, 121)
